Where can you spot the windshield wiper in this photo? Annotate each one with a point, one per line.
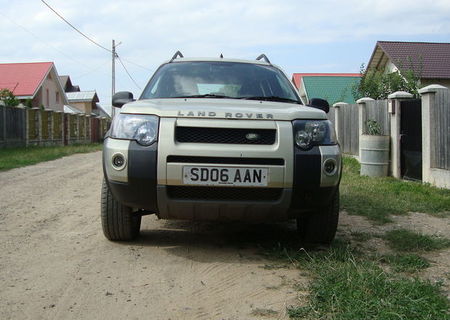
(272, 98)
(207, 95)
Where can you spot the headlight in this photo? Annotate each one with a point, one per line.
(142, 128)
(309, 133)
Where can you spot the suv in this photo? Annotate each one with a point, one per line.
(220, 139)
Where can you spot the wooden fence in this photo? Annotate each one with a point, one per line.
(378, 110)
(12, 126)
(21, 127)
(348, 129)
(440, 157)
(345, 118)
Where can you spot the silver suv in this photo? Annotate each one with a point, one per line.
(220, 139)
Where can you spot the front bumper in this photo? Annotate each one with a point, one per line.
(152, 177)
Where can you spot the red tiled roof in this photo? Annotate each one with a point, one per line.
(297, 77)
(23, 79)
(429, 59)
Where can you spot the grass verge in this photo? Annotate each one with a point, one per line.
(410, 241)
(409, 263)
(378, 198)
(347, 285)
(20, 157)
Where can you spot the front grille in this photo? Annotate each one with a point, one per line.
(225, 135)
(226, 160)
(224, 194)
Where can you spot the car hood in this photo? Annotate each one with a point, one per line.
(223, 109)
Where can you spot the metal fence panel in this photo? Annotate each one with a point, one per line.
(14, 123)
(2, 123)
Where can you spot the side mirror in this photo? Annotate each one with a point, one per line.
(122, 97)
(320, 104)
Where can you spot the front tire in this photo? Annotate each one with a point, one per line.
(118, 221)
(319, 226)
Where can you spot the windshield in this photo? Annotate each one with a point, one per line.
(220, 80)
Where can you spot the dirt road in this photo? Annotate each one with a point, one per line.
(56, 264)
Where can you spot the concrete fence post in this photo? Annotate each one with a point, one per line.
(435, 176)
(63, 126)
(39, 126)
(338, 119)
(394, 111)
(69, 127)
(78, 117)
(88, 129)
(362, 119)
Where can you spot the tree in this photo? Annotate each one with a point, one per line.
(377, 84)
(8, 98)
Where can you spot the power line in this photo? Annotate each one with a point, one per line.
(92, 70)
(129, 75)
(88, 38)
(45, 42)
(98, 45)
(74, 28)
(137, 65)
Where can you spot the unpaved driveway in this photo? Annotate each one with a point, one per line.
(56, 264)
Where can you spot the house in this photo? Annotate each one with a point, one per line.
(429, 60)
(72, 110)
(81, 101)
(85, 101)
(67, 85)
(333, 87)
(34, 84)
(101, 111)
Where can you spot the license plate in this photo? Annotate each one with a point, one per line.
(219, 176)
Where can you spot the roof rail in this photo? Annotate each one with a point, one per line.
(263, 56)
(177, 54)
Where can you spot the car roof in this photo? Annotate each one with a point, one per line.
(209, 59)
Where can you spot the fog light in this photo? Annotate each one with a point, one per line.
(329, 167)
(118, 161)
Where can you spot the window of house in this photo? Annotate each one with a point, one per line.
(47, 98)
(57, 97)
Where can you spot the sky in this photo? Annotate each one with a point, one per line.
(299, 36)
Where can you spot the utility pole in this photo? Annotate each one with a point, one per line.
(113, 75)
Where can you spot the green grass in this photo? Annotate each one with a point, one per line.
(379, 198)
(347, 285)
(350, 290)
(406, 262)
(409, 241)
(20, 157)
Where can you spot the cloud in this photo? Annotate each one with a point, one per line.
(151, 31)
